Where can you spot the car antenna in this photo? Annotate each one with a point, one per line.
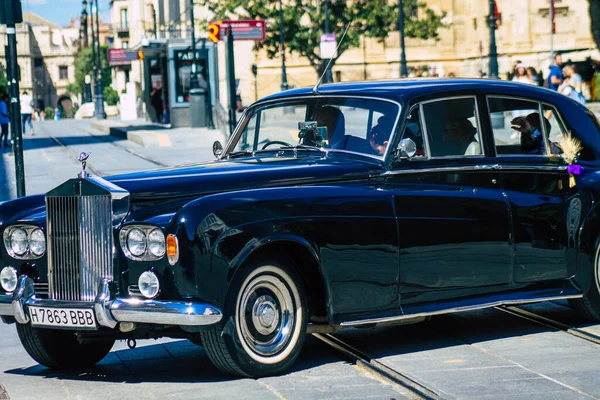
(316, 87)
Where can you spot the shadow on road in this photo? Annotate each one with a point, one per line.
(174, 362)
(30, 143)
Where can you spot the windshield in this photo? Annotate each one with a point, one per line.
(349, 124)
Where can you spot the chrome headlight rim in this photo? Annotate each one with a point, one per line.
(147, 255)
(6, 273)
(28, 254)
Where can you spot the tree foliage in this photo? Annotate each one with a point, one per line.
(3, 83)
(304, 20)
(84, 65)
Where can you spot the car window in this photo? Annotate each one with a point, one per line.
(517, 126)
(452, 127)
(557, 132)
(276, 125)
(351, 124)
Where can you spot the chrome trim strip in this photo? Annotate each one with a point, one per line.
(479, 167)
(165, 312)
(109, 313)
(458, 309)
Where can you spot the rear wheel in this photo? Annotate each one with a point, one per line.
(59, 349)
(264, 322)
(589, 305)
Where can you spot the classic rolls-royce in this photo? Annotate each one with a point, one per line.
(351, 204)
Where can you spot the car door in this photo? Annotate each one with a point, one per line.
(536, 185)
(453, 219)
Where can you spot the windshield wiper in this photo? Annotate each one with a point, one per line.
(303, 147)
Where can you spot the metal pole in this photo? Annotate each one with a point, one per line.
(15, 104)
(364, 57)
(99, 114)
(284, 83)
(94, 66)
(552, 10)
(193, 75)
(328, 77)
(403, 68)
(84, 24)
(493, 49)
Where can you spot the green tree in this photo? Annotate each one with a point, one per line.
(111, 96)
(84, 65)
(3, 83)
(303, 22)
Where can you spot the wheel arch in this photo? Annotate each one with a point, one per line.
(304, 259)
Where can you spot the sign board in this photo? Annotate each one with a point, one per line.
(122, 57)
(243, 29)
(328, 45)
(11, 12)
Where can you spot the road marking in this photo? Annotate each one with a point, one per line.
(163, 138)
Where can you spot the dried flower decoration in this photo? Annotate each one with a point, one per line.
(571, 147)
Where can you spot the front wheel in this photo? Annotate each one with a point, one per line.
(58, 349)
(264, 322)
(589, 305)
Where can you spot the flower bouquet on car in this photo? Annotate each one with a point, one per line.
(571, 147)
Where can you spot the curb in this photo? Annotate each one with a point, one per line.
(117, 129)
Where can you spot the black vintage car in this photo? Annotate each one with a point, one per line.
(349, 205)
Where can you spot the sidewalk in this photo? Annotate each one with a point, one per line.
(153, 135)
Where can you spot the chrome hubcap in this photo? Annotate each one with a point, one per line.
(266, 315)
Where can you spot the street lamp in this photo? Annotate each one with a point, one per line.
(84, 23)
(403, 69)
(193, 75)
(493, 49)
(99, 112)
(284, 84)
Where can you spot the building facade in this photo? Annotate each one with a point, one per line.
(461, 49)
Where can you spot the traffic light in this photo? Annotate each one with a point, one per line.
(11, 12)
(254, 69)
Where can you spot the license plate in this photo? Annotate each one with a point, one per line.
(62, 317)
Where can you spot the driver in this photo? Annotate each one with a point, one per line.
(379, 135)
(333, 119)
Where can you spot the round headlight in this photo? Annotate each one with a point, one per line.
(136, 242)
(18, 241)
(8, 279)
(37, 242)
(148, 284)
(156, 243)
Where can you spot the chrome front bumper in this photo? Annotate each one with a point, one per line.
(110, 312)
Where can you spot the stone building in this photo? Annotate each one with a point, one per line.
(46, 55)
(462, 48)
(524, 34)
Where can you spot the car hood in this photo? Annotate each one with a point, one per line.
(230, 175)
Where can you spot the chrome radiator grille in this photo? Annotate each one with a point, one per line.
(79, 245)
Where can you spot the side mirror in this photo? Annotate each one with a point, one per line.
(217, 149)
(407, 148)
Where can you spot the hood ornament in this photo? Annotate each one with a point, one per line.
(83, 156)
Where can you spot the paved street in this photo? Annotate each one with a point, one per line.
(484, 354)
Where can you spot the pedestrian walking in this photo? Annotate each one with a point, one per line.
(26, 111)
(555, 77)
(521, 75)
(533, 75)
(4, 120)
(572, 84)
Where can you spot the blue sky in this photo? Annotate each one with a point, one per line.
(61, 11)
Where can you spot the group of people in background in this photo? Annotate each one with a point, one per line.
(562, 78)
